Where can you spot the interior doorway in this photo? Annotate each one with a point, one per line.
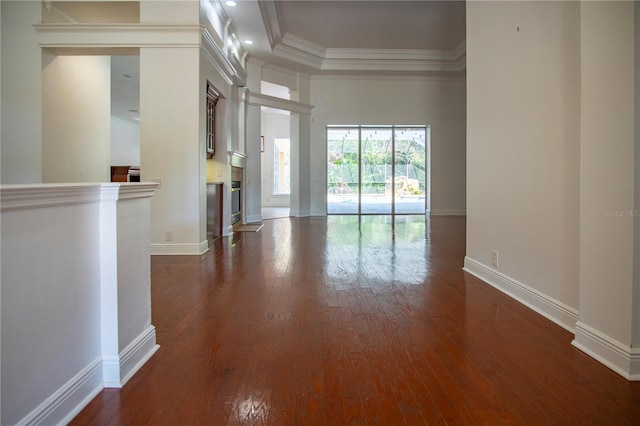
(275, 147)
(378, 169)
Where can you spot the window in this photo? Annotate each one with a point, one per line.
(281, 167)
(212, 100)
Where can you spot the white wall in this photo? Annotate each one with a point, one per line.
(21, 148)
(274, 126)
(50, 302)
(170, 147)
(125, 143)
(76, 111)
(523, 145)
(78, 318)
(552, 157)
(608, 288)
(174, 11)
(439, 103)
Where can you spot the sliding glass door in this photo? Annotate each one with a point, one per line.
(343, 170)
(410, 170)
(377, 169)
(376, 147)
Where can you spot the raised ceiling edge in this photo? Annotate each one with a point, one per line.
(268, 10)
(307, 53)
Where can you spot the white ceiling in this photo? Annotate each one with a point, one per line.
(351, 37)
(437, 25)
(342, 28)
(125, 87)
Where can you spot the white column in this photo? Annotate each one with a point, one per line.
(301, 153)
(109, 285)
(253, 131)
(170, 148)
(608, 287)
(128, 339)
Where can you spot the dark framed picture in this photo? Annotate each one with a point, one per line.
(261, 143)
(212, 100)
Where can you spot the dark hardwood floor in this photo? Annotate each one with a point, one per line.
(331, 321)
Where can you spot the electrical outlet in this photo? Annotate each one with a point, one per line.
(494, 258)
(168, 235)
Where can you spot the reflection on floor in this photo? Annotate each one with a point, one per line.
(274, 212)
(366, 320)
(374, 204)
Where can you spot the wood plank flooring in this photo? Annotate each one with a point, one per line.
(340, 320)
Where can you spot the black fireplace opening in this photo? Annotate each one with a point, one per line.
(236, 201)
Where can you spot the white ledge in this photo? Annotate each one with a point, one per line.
(258, 99)
(118, 35)
(21, 197)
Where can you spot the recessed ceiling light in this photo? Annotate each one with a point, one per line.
(249, 42)
(230, 3)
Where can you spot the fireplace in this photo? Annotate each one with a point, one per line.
(236, 201)
(237, 172)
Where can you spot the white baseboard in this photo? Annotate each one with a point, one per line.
(318, 212)
(621, 358)
(445, 212)
(65, 403)
(280, 205)
(300, 213)
(254, 219)
(179, 249)
(118, 370)
(554, 310)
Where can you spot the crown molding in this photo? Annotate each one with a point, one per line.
(304, 45)
(269, 12)
(415, 78)
(390, 54)
(229, 68)
(100, 36)
(118, 35)
(403, 65)
(217, 57)
(292, 54)
(305, 52)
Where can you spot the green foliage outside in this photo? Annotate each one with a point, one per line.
(342, 167)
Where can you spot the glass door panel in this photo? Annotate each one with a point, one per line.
(376, 148)
(410, 170)
(377, 170)
(343, 160)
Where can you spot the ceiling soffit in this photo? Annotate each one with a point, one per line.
(291, 47)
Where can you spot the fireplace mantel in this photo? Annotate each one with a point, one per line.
(237, 159)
